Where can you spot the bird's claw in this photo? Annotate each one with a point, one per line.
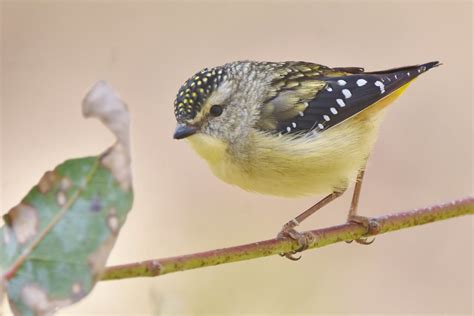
(291, 256)
(288, 231)
(370, 224)
(365, 241)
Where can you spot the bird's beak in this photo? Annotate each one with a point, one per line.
(183, 131)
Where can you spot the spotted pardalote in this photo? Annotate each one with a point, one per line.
(287, 128)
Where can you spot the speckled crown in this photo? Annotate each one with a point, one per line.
(194, 92)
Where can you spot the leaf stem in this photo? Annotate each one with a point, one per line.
(316, 238)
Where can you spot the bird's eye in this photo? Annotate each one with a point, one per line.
(216, 110)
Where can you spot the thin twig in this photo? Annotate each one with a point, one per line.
(317, 238)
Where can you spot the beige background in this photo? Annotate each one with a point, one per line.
(52, 52)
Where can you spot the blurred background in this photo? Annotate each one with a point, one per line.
(53, 52)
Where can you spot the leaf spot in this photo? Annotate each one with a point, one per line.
(113, 223)
(6, 237)
(47, 181)
(65, 184)
(24, 221)
(37, 300)
(76, 289)
(61, 198)
(96, 205)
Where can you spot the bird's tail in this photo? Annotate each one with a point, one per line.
(415, 70)
(396, 80)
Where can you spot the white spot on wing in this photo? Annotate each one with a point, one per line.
(380, 85)
(301, 113)
(347, 93)
(293, 124)
(341, 82)
(341, 103)
(320, 126)
(326, 118)
(288, 129)
(328, 88)
(361, 82)
(333, 111)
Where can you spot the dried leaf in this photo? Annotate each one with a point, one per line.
(55, 243)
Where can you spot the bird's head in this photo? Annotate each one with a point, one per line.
(220, 102)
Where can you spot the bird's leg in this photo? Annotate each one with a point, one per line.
(288, 230)
(355, 196)
(352, 217)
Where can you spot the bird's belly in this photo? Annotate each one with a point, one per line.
(288, 166)
(298, 177)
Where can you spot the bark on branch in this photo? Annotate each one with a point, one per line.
(317, 238)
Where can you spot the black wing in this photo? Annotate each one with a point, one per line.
(347, 95)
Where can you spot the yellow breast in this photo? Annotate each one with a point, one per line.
(289, 166)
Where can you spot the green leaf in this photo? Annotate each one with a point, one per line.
(55, 243)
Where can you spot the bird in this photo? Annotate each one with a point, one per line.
(290, 128)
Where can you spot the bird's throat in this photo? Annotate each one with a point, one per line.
(209, 148)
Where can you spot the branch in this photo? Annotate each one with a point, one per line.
(317, 238)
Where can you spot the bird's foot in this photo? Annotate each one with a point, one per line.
(288, 231)
(371, 224)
